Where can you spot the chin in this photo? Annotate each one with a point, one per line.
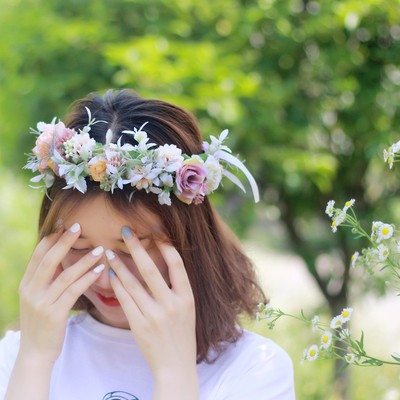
(108, 315)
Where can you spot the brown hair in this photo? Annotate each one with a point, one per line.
(221, 275)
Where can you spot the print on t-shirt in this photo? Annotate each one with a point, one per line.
(120, 396)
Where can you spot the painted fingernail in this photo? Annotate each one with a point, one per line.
(75, 228)
(126, 232)
(110, 254)
(99, 268)
(97, 251)
(111, 272)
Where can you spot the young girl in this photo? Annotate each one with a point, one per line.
(129, 238)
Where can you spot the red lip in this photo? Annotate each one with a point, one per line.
(108, 301)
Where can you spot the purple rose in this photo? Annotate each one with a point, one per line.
(190, 181)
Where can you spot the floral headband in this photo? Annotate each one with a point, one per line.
(73, 156)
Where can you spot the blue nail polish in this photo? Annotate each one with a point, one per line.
(111, 272)
(126, 232)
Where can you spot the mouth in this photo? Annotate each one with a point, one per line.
(110, 301)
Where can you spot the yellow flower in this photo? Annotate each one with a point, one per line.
(97, 170)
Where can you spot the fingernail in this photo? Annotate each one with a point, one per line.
(75, 228)
(110, 254)
(126, 232)
(99, 268)
(97, 251)
(111, 272)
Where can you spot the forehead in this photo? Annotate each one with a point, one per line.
(97, 216)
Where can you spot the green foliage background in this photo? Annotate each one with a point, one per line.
(309, 90)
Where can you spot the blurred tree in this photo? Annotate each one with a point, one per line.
(310, 89)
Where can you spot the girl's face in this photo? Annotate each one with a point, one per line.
(101, 226)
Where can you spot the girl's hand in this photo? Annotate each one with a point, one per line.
(161, 318)
(47, 294)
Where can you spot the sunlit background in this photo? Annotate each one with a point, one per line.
(310, 93)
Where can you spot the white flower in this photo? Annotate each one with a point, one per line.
(166, 179)
(79, 147)
(169, 157)
(370, 256)
(339, 219)
(214, 174)
(164, 198)
(314, 323)
(383, 232)
(344, 334)
(312, 353)
(395, 147)
(336, 322)
(326, 339)
(142, 177)
(350, 358)
(74, 178)
(216, 144)
(383, 252)
(330, 208)
(348, 204)
(354, 259)
(388, 156)
(346, 314)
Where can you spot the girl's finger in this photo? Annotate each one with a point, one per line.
(130, 283)
(47, 267)
(73, 273)
(146, 266)
(37, 256)
(71, 294)
(177, 273)
(128, 304)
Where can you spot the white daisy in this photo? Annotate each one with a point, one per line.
(350, 358)
(326, 339)
(339, 219)
(354, 259)
(344, 334)
(348, 204)
(383, 232)
(383, 252)
(312, 353)
(336, 322)
(314, 323)
(330, 208)
(346, 314)
(388, 156)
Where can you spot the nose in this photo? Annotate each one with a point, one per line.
(103, 281)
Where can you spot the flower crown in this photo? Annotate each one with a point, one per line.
(74, 155)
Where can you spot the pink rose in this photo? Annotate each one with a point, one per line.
(51, 137)
(190, 181)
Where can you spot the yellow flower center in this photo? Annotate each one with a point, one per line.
(385, 230)
(312, 352)
(345, 314)
(348, 203)
(325, 339)
(333, 224)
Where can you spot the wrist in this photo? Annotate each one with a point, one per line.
(35, 360)
(183, 384)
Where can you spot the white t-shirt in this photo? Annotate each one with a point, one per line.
(100, 362)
